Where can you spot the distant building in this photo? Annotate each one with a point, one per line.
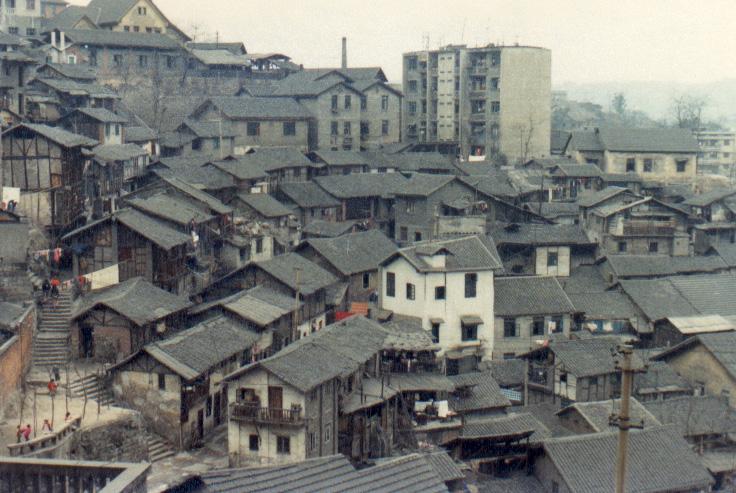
(21, 17)
(481, 101)
(717, 151)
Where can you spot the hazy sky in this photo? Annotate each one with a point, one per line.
(594, 40)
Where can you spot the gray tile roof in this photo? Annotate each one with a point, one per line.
(674, 140)
(727, 252)
(362, 184)
(659, 460)
(695, 415)
(139, 134)
(332, 474)
(74, 88)
(356, 252)
(109, 11)
(275, 158)
(597, 414)
(212, 202)
(260, 305)
(462, 254)
(264, 204)
(586, 357)
(72, 71)
(595, 198)
(171, 208)
(506, 428)
(342, 158)
(516, 296)
(259, 108)
(118, 152)
(423, 185)
(722, 345)
(584, 279)
(67, 18)
(507, 372)
(54, 134)
(242, 169)
(485, 393)
(199, 177)
(135, 299)
(496, 184)
(423, 161)
(236, 47)
(284, 267)
(442, 464)
(14, 242)
(630, 177)
(194, 351)
(658, 298)
(608, 305)
(302, 84)
(585, 140)
(630, 266)
(220, 57)
(308, 194)
(152, 229)
(101, 114)
(538, 234)
(576, 170)
(554, 210)
(659, 377)
(210, 130)
(335, 351)
(103, 37)
(706, 199)
(328, 229)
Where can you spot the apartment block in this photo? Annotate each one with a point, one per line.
(717, 150)
(481, 101)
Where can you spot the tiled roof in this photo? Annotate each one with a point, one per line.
(598, 414)
(74, 88)
(659, 377)
(505, 428)
(139, 134)
(260, 305)
(496, 184)
(442, 464)
(342, 158)
(210, 130)
(135, 299)
(423, 161)
(608, 305)
(538, 234)
(584, 279)
(423, 185)
(356, 252)
(485, 394)
(118, 152)
(242, 169)
(658, 298)
(257, 108)
(72, 71)
(722, 345)
(587, 357)
(727, 252)
(516, 296)
(706, 199)
(676, 140)
(67, 18)
(102, 115)
(236, 48)
(284, 267)
(109, 11)
(507, 372)
(152, 229)
(199, 177)
(630, 266)
(171, 208)
(461, 254)
(103, 37)
(695, 415)
(361, 184)
(659, 460)
(220, 57)
(328, 229)
(212, 202)
(308, 194)
(55, 134)
(192, 352)
(264, 204)
(553, 210)
(275, 158)
(577, 170)
(595, 198)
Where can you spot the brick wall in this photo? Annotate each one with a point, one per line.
(15, 354)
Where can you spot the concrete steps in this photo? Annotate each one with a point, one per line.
(51, 344)
(158, 448)
(93, 388)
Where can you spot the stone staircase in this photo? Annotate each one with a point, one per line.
(158, 448)
(93, 388)
(51, 344)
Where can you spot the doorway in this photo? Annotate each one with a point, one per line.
(87, 341)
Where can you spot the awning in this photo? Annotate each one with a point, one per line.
(471, 320)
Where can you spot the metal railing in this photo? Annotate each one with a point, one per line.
(241, 411)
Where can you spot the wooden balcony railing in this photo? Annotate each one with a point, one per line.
(45, 442)
(249, 413)
(649, 229)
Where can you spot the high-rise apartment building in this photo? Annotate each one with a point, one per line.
(480, 101)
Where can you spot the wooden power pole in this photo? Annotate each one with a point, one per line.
(623, 420)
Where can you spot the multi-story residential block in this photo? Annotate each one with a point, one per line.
(49, 8)
(668, 155)
(448, 286)
(717, 150)
(480, 101)
(21, 17)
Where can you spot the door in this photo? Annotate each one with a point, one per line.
(275, 401)
(87, 341)
(216, 410)
(200, 424)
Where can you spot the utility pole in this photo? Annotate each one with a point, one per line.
(623, 420)
(297, 275)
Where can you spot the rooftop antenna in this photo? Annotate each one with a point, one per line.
(462, 32)
(425, 41)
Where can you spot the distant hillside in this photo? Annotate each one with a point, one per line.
(655, 98)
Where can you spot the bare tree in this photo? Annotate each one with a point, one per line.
(619, 105)
(687, 110)
(526, 133)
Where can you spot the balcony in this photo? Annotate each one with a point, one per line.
(649, 228)
(248, 413)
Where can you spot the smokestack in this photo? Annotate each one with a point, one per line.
(344, 52)
(53, 39)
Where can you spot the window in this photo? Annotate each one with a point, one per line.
(412, 107)
(259, 245)
(494, 83)
(31, 4)
(365, 129)
(648, 165)
(328, 432)
(631, 165)
(289, 128)
(681, 165)
(538, 326)
(509, 327)
(196, 144)
(403, 233)
(435, 332)
(333, 128)
(117, 60)
(348, 102)
(126, 29)
(478, 106)
(30, 31)
(559, 324)
(283, 445)
(384, 103)
(142, 61)
(142, 10)
(417, 236)
(334, 102)
(253, 443)
(384, 127)
(13, 30)
(136, 29)
(411, 291)
(117, 129)
(312, 441)
(509, 355)
(161, 381)
(653, 247)
(552, 259)
(363, 103)
(471, 284)
(366, 280)
(412, 86)
(495, 107)
(346, 128)
(439, 293)
(253, 129)
(208, 406)
(390, 284)
(216, 143)
(243, 254)
(622, 246)
(411, 63)
(469, 332)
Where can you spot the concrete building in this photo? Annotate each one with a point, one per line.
(717, 151)
(480, 101)
(21, 17)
